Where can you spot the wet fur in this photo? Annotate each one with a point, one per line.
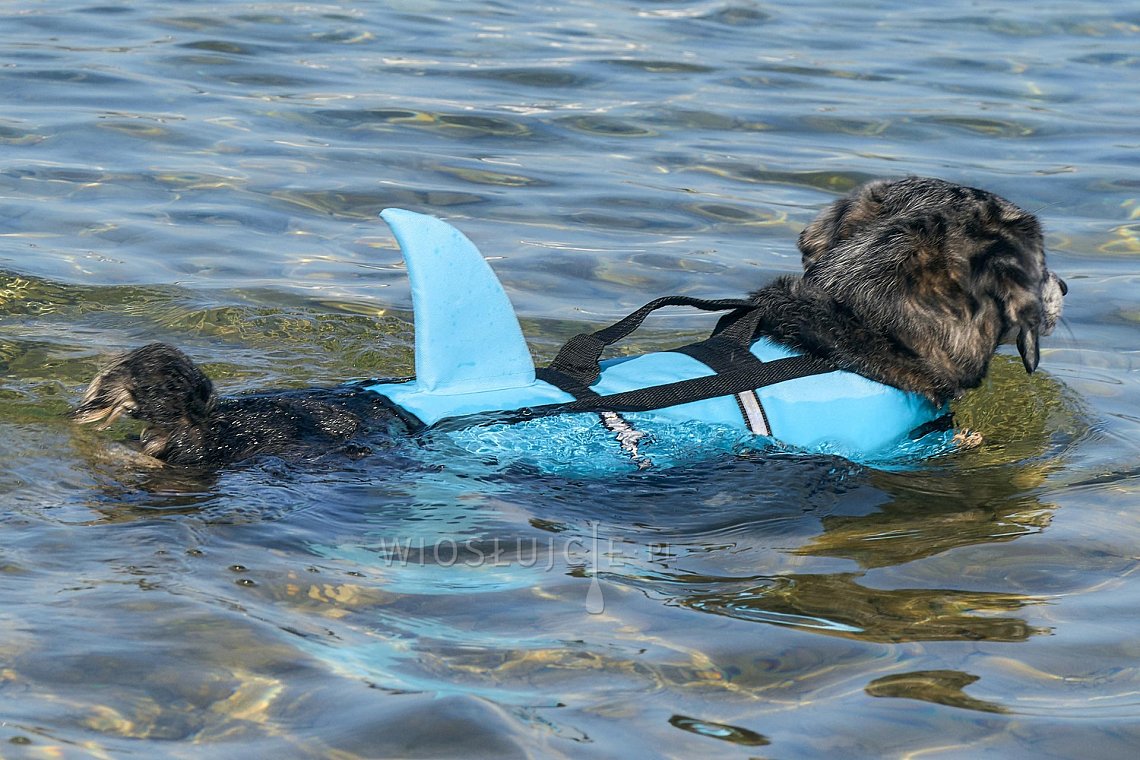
(189, 424)
(913, 283)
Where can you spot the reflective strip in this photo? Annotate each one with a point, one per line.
(627, 436)
(753, 412)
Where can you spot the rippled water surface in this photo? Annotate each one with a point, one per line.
(210, 174)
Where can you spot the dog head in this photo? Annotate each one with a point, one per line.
(950, 272)
(156, 383)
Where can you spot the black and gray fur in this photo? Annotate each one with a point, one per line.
(187, 423)
(913, 283)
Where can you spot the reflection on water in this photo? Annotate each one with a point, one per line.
(210, 176)
(837, 604)
(942, 687)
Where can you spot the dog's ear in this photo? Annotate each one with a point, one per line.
(840, 221)
(1011, 266)
(1025, 319)
(822, 233)
(1028, 348)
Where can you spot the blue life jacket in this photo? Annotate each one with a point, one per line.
(475, 379)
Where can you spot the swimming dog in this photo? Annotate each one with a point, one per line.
(912, 283)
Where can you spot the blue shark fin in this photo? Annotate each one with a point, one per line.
(467, 335)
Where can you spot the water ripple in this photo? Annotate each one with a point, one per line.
(209, 175)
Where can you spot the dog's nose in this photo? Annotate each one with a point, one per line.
(1064, 288)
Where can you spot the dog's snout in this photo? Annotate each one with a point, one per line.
(1063, 286)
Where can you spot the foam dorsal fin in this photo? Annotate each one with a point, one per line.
(467, 335)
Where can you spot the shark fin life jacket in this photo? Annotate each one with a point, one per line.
(474, 370)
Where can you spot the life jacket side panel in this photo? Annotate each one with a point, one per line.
(840, 412)
(843, 413)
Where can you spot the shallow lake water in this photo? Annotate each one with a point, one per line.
(209, 174)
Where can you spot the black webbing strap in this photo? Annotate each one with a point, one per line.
(721, 355)
(579, 358)
(564, 382)
(694, 389)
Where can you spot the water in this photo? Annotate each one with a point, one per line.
(209, 174)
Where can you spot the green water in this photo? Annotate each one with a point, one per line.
(210, 174)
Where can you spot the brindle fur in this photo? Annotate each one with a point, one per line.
(913, 283)
(189, 424)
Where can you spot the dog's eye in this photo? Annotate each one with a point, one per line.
(1064, 288)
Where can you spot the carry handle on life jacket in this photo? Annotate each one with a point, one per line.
(580, 357)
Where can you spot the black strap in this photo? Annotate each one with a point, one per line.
(725, 383)
(722, 355)
(580, 357)
(565, 382)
